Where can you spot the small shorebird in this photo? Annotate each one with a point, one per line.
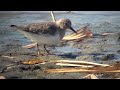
(45, 33)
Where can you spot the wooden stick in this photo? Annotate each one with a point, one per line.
(30, 46)
(7, 57)
(90, 76)
(68, 70)
(74, 65)
(81, 33)
(80, 62)
(73, 38)
(104, 34)
(53, 17)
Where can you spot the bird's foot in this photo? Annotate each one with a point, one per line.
(48, 51)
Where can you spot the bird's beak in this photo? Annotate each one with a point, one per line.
(73, 30)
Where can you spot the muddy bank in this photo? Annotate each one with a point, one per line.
(101, 49)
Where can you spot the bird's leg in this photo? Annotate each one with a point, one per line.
(38, 52)
(46, 49)
(48, 53)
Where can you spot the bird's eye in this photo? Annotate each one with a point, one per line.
(66, 24)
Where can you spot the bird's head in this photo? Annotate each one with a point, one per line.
(65, 24)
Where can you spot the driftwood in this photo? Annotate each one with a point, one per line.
(90, 76)
(32, 62)
(81, 66)
(65, 63)
(81, 33)
(79, 62)
(73, 65)
(104, 34)
(68, 70)
(109, 69)
(8, 57)
(30, 46)
(68, 38)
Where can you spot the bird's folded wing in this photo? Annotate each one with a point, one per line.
(44, 28)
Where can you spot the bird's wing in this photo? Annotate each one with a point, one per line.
(41, 28)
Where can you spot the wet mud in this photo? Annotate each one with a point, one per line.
(100, 49)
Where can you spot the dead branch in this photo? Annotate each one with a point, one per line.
(108, 69)
(8, 57)
(68, 70)
(73, 65)
(90, 76)
(81, 33)
(79, 62)
(30, 46)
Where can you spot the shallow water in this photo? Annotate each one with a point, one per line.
(105, 49)
(99, 23)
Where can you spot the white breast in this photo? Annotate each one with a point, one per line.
(43, 39)
(49, 40)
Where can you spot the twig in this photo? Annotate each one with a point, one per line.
(53, 17)
(104, 34)
(7, 57)
(81, 33)
(80, 62)
(68, 70)
(90, 76)
(74, 65)
(30, 45)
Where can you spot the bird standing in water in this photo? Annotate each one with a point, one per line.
(46, 33)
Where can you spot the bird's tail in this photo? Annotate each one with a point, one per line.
(13, 25)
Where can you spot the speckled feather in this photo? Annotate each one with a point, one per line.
(40, 28)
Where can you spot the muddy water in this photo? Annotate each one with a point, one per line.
(101, 49)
